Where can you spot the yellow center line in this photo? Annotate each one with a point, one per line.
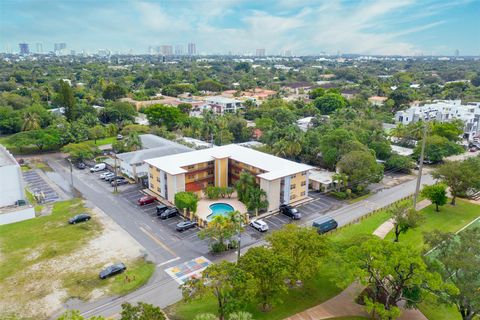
(160, 243)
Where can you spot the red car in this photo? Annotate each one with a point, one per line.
(146, 200)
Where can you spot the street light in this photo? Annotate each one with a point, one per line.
(420, 167)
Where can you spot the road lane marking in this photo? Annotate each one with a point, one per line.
(168, 261)
(160, 243)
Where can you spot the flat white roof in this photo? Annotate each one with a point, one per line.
(275, 167)
(321, 176)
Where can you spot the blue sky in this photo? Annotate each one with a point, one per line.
(303, 26)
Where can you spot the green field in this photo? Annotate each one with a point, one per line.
(42, 257)
(104, 141)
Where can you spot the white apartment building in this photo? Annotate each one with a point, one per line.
(12, 194)
(445, 110)
(224, 105)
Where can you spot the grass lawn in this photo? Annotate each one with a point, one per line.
(435, 311)
(449, 219)
(295, 300)
(104, 141)
(42, 263)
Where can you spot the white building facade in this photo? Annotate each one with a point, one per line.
(444, 111)
(227, 105)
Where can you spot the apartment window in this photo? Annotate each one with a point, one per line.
(190, 167)
(158, 179)
(304, 173)
(158, 170)
(191, 176)
(294, 176)
(302, 193)
(304, 183)
(158, 189)
(151, 176)
(293, 196)
(292, 186)
(210, 172)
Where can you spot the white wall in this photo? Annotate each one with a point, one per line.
(272, 188)
(23, 213)
(11, 187)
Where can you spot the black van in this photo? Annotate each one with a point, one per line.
(161, 208)
(325, 224)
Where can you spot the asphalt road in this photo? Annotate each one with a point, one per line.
(166, 248)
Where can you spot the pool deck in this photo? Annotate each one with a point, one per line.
(203, 207)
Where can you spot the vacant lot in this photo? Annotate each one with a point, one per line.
(45, 261)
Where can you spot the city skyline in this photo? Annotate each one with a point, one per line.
(403, 27)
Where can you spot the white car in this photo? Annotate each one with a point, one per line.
(98, 167)
(260, 225)
(106, 174)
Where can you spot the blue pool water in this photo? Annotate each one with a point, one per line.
(219, 209)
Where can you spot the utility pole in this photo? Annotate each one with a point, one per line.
(420, 167)
(71, 172)
(239, 235)
(115, 186)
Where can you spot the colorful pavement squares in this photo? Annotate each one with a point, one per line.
(187, 270)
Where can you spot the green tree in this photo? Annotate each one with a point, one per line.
(31, 121)
(117, 111)
(113, 92)
(399, 163)
(240, 315)
(436, 193)
(436, 148)
(257, 199)
(141, 311)
(66, 99)
(330, 102)
(209, 85)
(315, 93)
(456, 259)
(301, 248)
(403, 217)
(392, 272)
(186, 201)
(451, 130)
(361, 169)
(218, 231)
(75, 315)
(269, 271)
(139, 128)
(244, 181)
(205, 316)
(79, 152)
(96, 132)
(460, 176)
(232, 287)
(161, 115)
(336, 143)
(133, 141)
(185, 107)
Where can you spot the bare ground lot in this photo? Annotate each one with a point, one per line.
(45, 261)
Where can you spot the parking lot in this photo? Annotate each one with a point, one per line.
(37, 185)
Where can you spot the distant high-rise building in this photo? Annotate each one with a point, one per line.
(24, 48)
(192, 49)
(457, 53)
(287, 53)
(178, 50)
(166, 50)
(59, 48)
(260, 53)
(39, 47)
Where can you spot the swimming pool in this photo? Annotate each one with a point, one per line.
(219, 209)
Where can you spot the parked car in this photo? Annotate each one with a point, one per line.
(289, 211)
(146, 200)
(112, 270)
(325, 224)
(113, 177)
(161, 208)
(119, 137)
(119, 182)
(260, 225)
(185, 225)
(98, 167)
(106, 174)
(79, 218)
(169, 213)
(473, 149)
(81, 165)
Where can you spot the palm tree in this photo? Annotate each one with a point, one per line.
(133, 141)
(257, 199)
(31, 121)
(245, 181)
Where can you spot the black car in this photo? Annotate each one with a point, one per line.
(185, 225)
(79, 218)
(325, 224)
(290, 211)
(161, 208)
(81, 165)
(119, 182)
(112, 270)
(169, 213)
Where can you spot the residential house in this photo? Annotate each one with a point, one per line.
(377, 100)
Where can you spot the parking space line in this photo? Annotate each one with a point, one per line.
(168, 261)
(160, 243)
